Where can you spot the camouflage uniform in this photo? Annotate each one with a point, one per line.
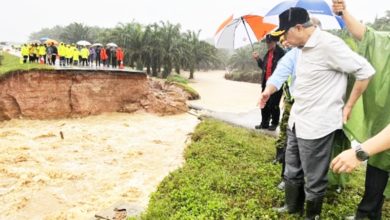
(281, 142)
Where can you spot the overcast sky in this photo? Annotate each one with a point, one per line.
(19, 18)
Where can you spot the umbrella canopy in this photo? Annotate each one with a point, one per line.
(316, 8)
(43, 39)
(111, 45)
(83, 43)
(97, 45)
(239, 32)
(51, 41)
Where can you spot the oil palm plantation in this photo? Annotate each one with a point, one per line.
(75, 32)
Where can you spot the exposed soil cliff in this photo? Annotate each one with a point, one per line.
(42, 94)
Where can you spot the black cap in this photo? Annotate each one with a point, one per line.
(291, 17)
(270, 37)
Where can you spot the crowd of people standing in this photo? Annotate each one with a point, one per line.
(72, 55)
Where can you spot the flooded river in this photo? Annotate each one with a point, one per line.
(74, 168)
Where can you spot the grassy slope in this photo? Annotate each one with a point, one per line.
(228, 175)
(11, 63)
(183, 83)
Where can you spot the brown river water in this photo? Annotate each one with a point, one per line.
(102, 160)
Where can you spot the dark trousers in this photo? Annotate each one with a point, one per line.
(114, 62)
(371, 204)
(53, 59)
(307, 162)
(84, 61)
(271, 110)
(62, 61)
(98, 61)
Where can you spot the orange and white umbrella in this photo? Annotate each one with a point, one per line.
(239, 32)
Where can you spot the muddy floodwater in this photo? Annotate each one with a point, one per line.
(74, 168)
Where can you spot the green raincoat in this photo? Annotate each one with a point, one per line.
(371, 112)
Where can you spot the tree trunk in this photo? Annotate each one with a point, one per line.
(154, 70)
(167, 69)
(148, 69)
(165, 72)
(177, 69)
(192, 70)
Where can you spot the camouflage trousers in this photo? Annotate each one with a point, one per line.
(281, 142)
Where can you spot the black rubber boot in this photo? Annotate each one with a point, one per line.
(294, 199)
(313, 208)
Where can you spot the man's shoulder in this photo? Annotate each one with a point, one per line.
(326, 36)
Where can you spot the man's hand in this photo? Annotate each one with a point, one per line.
(338, 6)
(346, 113)
(345, 162)
(264, 96)
(255, 55)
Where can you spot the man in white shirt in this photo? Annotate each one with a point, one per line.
(319, 108)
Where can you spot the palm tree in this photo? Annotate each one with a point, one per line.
(382, 23)
(75, 32)
(153, 50)
(52, 33)
(242, 60)
(197, 52)
(129, 36)
(170, 35)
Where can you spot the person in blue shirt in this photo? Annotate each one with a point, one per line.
(284, 76)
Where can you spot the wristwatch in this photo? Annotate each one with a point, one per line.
(361, 154)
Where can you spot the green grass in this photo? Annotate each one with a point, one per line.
(244, 76)
(228, 175)
(183, 83)
(177, 78)
(194, 94)
(12, 63)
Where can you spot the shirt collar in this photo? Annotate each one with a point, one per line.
(314, 39)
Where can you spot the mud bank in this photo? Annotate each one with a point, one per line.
(53, 94)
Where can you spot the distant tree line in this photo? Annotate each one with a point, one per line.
(163, 48)
(160, 48)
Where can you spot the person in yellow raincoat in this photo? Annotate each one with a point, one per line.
(42, 53)
(25, 52)
(68, 54)
(84, 56)
(62, 54)
(76, 56)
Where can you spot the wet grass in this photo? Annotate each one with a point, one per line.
(183, 83)
(12, 63)
(228, 175)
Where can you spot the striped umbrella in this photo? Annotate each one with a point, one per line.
(234, 33)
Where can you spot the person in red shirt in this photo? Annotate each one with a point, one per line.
(268, 64)
(119, 56)
(103, 56)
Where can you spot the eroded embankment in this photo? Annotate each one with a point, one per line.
(49, 94)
